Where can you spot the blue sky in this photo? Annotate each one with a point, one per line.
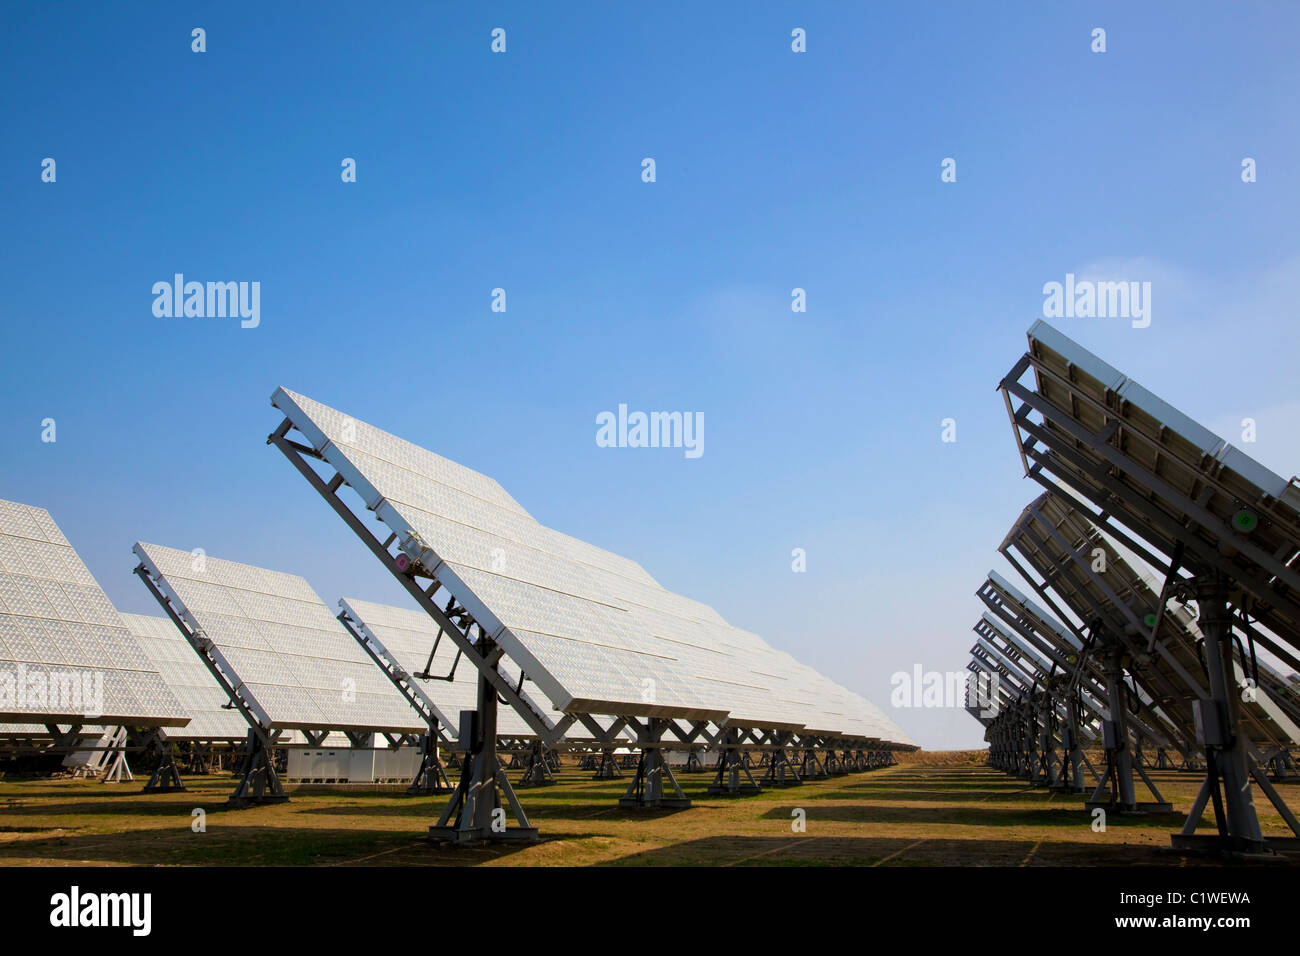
(522, 171)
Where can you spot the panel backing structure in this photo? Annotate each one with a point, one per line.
(1160, 645)
(1076, 677)
(284, 661)
(1222, 530)
(63, 646)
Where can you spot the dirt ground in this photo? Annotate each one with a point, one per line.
(933, 809)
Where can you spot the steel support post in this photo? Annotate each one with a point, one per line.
(117, 768)
(1218, 730)
(780, 771)
(834, 767)
(431, 777)
(607, 768)
(811, 768)
(1118, 778)
(537, 768)
(731, 768)
(1073, 747)
(259, 783)
(475, 814)
(166, 778)
(1046, 768)
(652, 770)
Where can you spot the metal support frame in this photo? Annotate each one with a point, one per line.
(475, 813)
(431, 777)
(731, 768)
(780, 771)
(258, 783)
(652, 770)
(1071, 744)
(832, 763)
(537, 768)
(1115, 791)
(117, 770)
(811, 768)
(607, 768)
(166, 778)
(1229, 763)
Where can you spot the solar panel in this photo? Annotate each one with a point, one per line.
(208, 706)
(572, 638)
(593, 630)
(1162, 475)
(65, 654)
(276, 642)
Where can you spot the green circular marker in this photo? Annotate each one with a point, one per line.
(1245, 521)
(1150, 620)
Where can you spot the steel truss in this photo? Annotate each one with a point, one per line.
(117, 767)
(810, 767)
(607, 768)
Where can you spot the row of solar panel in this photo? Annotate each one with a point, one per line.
(1131, 481)
(279, 643)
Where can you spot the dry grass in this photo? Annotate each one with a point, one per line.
(944, 808)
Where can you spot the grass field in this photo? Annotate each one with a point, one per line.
(943, 808)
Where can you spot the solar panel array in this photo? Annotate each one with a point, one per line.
(1132, 484)
(278, 641)
(593, 630)
(58, 629)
